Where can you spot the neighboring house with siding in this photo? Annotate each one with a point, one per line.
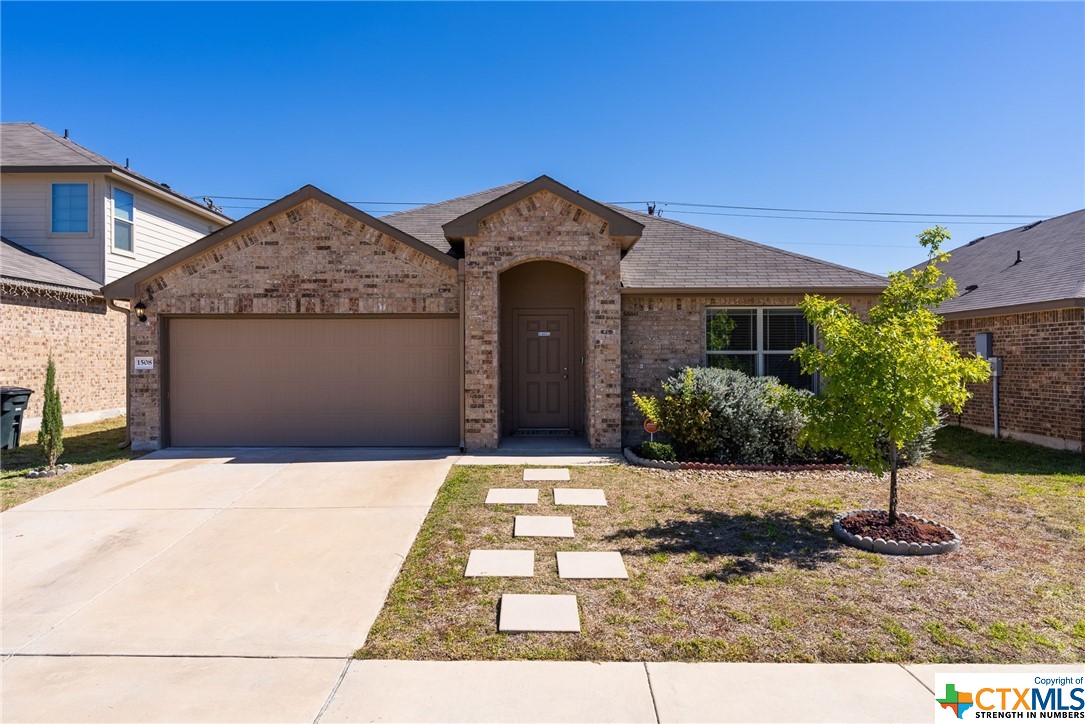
(1025, 286)
(73, 220)
(525, 310)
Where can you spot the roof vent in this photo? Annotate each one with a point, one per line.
(970, 288)
(1018, 260)
(65, 133)
(165, 186)
(1033, 225)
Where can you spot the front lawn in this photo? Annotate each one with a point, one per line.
(728, 566)
(90, 448)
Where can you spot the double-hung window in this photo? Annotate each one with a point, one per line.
(759, 341)
(70, 209)
(123, 218)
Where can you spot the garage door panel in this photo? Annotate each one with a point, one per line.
(321, 382)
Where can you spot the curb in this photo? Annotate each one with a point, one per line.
(894, 547)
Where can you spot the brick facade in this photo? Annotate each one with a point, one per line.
(661, 334)
(309, 260)
(1042, 388)
(87, 342)
(543, 227)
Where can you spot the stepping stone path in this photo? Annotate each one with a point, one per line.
(532, 475)
(510, 564)
(592, 564)
(522, 613)
(579, 496)
(543, 526)
(512, 496)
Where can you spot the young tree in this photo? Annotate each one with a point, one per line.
(887, 378)
(51, 432)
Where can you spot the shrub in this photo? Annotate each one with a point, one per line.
(51, 432)
(657, 451)
(754, 420)
(683, 413)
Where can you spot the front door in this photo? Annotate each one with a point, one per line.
(542, 361)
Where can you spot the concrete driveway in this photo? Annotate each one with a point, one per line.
(197, 584)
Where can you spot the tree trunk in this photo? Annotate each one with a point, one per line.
(892, 482)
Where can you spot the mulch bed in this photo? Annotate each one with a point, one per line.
(876, 525)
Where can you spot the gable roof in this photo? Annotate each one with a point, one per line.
(620, 225)
(1051, 273)
(672, 256)
(28, 268)
(125, 287)
(30, 148)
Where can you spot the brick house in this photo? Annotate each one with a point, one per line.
(72, 220)
(528, 309)
(1026, 287)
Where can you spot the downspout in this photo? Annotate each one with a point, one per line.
(127, 382)
(461, 278)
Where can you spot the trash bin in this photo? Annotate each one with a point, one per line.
(12, 405)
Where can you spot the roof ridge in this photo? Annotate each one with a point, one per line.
(509, 186)
(739, 239)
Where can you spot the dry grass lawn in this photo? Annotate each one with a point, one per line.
(90, 448)
(743, 567)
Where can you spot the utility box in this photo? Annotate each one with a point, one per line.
(985, 344)
(996, 366)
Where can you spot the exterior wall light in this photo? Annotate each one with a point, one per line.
(141, 311)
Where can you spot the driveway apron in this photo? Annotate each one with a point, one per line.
(238, 555)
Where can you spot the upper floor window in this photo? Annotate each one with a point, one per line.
(70, 208)
(123, 217)
(759, 341)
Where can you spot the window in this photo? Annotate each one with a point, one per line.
(759, 342)
(70, 209)
(123, 207)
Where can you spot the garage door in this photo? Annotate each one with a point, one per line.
(313, 382)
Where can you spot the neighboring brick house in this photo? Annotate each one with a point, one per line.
(1025, 286)
(72, 220)
(527, 309)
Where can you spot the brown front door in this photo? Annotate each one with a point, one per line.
(542, 389)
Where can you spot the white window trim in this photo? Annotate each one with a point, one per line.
(89, 233)
(113, 223)
(759, 328)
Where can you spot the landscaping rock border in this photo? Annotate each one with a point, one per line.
(47, 473)
(635, 459)
(894, 547)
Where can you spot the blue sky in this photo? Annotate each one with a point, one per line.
(972, 108)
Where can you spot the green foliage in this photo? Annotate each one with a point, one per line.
(683, 413)
(51, 432)
(754, 420)
(886, 378)
(657, 451)
(718, 331)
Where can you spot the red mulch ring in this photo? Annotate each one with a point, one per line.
(876, 525)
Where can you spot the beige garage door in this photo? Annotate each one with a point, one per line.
(313, 382)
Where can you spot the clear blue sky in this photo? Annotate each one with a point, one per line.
(912, 107)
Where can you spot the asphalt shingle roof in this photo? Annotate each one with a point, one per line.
(19, 264)
(1052, 267)
(28, 145)
(670, 254)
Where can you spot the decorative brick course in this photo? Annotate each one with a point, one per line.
(87, 342)
(1042, 388)
(311, 259)
(661, 334)
(543, 227)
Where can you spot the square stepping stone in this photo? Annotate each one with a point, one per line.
(579, 496)
(523, 612)
(591, 565)
(509, 564)
(512, 496)
(532, 475)
(543, 526)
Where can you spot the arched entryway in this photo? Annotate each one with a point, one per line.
(542, 350)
